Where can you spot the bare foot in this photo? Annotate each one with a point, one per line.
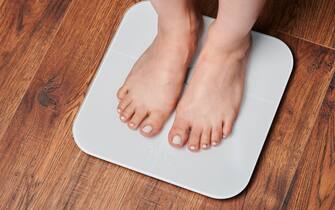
(211, 102)
(152, 88)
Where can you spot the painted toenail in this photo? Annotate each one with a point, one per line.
(192, 147)
(204, 146)
(176, 140)
(214, 143)
(147, 129)
(118, 110)
(224, 136)
(123, 118)
(131, 124)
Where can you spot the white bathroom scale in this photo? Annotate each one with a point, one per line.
(220, 172)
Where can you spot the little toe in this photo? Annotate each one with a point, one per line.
(205, 140)
(127, 113)
(194, 140)
(152, 124)
(216, 136)
(122, 92)
(227, 127)
(179, 133)
(137, 118)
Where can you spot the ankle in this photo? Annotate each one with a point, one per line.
(229, 41)
(187, 21)
(180, 33)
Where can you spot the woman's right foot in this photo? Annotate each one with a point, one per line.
(152, 88)
(211, 102)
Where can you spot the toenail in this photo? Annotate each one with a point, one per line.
(123, 118)
(118, 110)
(214, 143)
(147, 129)
(176, 140)
(192, 147)
(204, 146)
(131, 124)
(224, 136)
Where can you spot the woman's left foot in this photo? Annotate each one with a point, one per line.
(207, 111)
(152, 89)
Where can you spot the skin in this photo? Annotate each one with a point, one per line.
(210, 104)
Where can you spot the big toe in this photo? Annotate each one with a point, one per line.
(153, 123)
(179, 133)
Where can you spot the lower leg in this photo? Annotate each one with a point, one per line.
(239, 15)
(231, 31)
(235, 20)
(174, 15)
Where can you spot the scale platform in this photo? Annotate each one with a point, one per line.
(220, 172)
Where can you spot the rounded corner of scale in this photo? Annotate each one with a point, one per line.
(76, 139)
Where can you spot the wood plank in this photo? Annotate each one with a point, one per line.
(313, 185)
(312, 20)
(26, 31)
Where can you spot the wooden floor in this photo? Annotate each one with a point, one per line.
(49, 52)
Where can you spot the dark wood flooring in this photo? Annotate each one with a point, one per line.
(49, 52)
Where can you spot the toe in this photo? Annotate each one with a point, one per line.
(216, 136)
(179, 133)
(152, 124)
(137, 118)
(124, 103)
(228, 127)
(205, 140)
(127, 113)
(194, 140)
(122, 92)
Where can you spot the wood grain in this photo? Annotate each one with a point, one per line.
(26, 31)
(43, 83)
